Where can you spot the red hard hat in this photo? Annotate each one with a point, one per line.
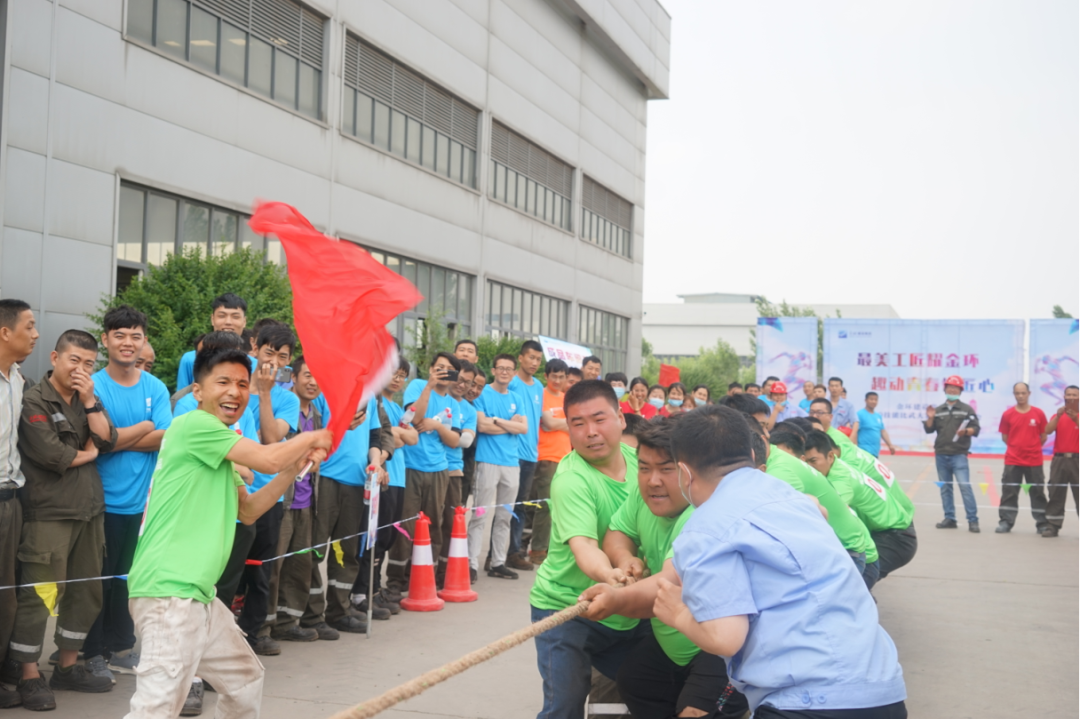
(778, 388)
(955, 380)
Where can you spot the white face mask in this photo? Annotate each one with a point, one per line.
(685, 492)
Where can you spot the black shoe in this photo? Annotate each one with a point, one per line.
(946, 524)
(193, 703)
(377, 612)
(1003, 527)
(382, 600)
(296, 634)
(36, 695)
(472, 576)
(973, 527)
(501, 572)
(351, 624)
(9, 698)
(1049, 531)
(78, 679)
(265, 646)
(487, 564)
(326, 632)
(391, 594)
(10, 672)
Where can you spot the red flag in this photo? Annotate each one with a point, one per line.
(342, 301)
(669, 375)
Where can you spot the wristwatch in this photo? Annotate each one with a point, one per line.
(96, 408)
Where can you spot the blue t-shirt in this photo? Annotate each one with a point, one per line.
(185, 373)
(759, 548)
(246, 426)
(804, 405)
(429, 454)
(349, 462)
(464, 418)
(500, 449)
(870, 426)
(395, 466)
(286, 406)
(765, 398)
(532, 400)
(125, 475)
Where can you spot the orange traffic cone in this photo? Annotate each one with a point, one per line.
(457, 587)
(422, 577)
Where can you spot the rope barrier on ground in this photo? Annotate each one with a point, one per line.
(418, 685)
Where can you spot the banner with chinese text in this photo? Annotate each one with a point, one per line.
(787, 348)
(907, 361)
(1054, 348)
(570, 353)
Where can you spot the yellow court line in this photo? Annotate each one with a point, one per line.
(919, 481)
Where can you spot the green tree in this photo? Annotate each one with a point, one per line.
(431, 337)
(715, 367)
(1060, 313)
(488, 347)
(650, 365)
(176, 297)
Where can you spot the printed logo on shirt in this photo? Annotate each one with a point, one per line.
(149, 403)
(513, 407)
(36, 418)
(878, 489)
(883, 471)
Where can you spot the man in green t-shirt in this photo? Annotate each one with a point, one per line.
(587, 489)
(665, 675)
(196, 497)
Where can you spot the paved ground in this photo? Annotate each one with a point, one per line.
(986, 626)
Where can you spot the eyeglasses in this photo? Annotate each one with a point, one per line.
(503, 369)
(819, 413)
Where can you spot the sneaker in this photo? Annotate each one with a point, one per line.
(537, 557)
(193, 703)
(1049, 531)
(377, 612)
(519, 562)
(9, 698)
(351, 624)
(501, 572)
(326, 632)
(36, 695)
(973, 527)
(1003, 527)
(382, 600)
(79, 679)
(264, 646)
(98, 667)
(10, 672)
(296, 634)
(472, 576)
(124, 662)
(946, 524)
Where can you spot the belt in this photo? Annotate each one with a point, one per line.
(6, 494)
(1066, 454)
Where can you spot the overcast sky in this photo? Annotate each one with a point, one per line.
(919, 154)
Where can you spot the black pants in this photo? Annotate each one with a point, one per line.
(654, 687)
(895, 547)
(229, 583)
(890, 711)
(389, 512)
(114, 630)
(1012, 479)
(256, 577)
(1064, 471)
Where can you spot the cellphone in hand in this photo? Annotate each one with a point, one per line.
(283, 375)
(451, 375)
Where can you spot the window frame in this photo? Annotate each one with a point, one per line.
(522, 299)
(593, 333)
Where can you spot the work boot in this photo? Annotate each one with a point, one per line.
(1003, 527)
(487, 564)
(124, 662)
(472, 576)
(501, 572)
(326, 632)
(538, 556)
(946, 524)
(973, 527)
(1049, 531)
(193, 703)
(296, 634)
(264, 646)
(377, 612)
(36, 695)
(78, 678)
(381, 600)
(10, 672)
(392, 594)
(351, 623)
(516, 561)
(9, 698)
(98, 667)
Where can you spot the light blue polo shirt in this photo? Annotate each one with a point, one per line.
(757, 548)
(870, 426)
(464, 418)
(843, 413)
(286, 406)
(532, 400)
(348, 464)
(429, 454)
(500, 449)
(789, 411)
(185, 373)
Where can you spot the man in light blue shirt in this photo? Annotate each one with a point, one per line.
(765, 584)
(465, 422)
(531, 392)
(872, 428)
(779, 404)
(228, 313)
(844, 414)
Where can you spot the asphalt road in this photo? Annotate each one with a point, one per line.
(985, 624)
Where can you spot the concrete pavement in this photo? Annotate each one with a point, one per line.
(986, 626)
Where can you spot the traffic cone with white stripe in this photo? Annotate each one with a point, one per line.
(422, 597)
(457, 587)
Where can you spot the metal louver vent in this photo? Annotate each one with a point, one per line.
(278, 21)
(287, 24)
(520, 155)
(311, 37)
(597, 198)
(352, 61)
(237, 11)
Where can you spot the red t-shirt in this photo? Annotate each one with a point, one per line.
(1024, 432)
(1066, 437)
(647, 410)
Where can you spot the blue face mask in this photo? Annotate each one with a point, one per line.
(952, 398)
(675, 402)
(619, 392)
(700, 402)
(656, 402)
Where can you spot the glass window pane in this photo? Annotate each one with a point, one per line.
(506, 315)
(438, 289)
(172, 26)
(526, 312)
(412, 140)
(469, 168)
(409, 272)
(140, 22)
(382, 126)
(248, 238)
(465, 297)
(397, 133)
(428, 150)
(549, 206)
(536, 314)
(132, 207)
(196, 229)
(530, 197)
(275, 253)
(451, 302)
(423, 283)
(160, 228)
(309, 90)
(489, 304)
(348, 111)
(455, 160)
(364, 106)
(223, 239)
(442, 155)
(393, 263)
(379, 257)
(521, 185)
(285, 78)
(203, 40)
(511, 187)
(260, 65)
(557, 216)
(500, 182)
(233, 48)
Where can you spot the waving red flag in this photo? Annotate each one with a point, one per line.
(342, 301)
(669, 375)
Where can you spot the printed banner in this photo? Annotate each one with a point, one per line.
(570, 353)
(1054, 348)
(787, 348)
(907, 361)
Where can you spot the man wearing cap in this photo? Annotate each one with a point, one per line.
(781, 408)
(955, 424)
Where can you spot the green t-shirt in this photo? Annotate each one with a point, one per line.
(190, 518)
(867, 463)
(583, 500)
(849, 529)
(654, 536)
(842, 441)
(870, 500)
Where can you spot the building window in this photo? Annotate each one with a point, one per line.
(529, 178)
(606, 335)
(274, 47)
(509, 311)
(156, 224)
(447, 293)
(393, 108)
(606, 218)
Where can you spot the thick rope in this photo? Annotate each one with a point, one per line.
(417, 686)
